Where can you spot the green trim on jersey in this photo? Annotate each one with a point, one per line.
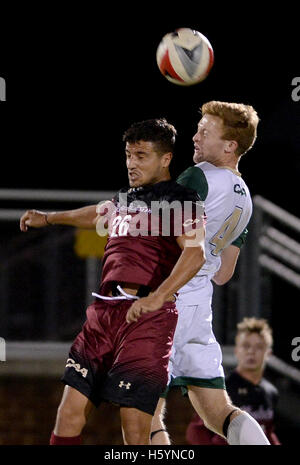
(184, 381)
(240, 241)
(194, 178)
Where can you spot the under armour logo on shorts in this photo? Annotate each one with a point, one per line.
(123, 384)
(242, 391)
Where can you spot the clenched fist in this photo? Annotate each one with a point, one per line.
(33, 219)
(147, 304)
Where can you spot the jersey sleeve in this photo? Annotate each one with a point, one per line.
(194, 178)
(240, 241)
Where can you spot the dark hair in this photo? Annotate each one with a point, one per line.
(158, 131)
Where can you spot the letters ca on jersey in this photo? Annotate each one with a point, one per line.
(227, 201)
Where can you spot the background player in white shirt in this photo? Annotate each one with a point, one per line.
(225, 132)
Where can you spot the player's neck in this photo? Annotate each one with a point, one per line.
(252, 376)
(234, 170)
(230, 162)
(165, 177)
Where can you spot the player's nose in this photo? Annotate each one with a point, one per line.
(196, 137)
(131, 162)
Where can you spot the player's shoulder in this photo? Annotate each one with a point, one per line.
(209, 168)
(224, 179)
(269, 387)
(234, 382)
(124, 191)
(220, 181)
(194, 178)
(233, 378)
(172, 191)
(166, 190)
(217, 173)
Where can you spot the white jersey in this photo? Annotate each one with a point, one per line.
(228, 208)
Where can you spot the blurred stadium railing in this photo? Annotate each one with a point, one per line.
(48, 274)
(272, 250)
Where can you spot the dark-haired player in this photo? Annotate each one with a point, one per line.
(246, 386)
(155, 246)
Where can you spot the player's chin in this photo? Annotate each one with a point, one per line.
(251, 365)
(134, 181)
(197, 158)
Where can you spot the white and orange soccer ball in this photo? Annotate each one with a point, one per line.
(185, 56)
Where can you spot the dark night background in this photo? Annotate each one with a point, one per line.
(77, 78)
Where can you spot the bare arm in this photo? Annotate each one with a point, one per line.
(192, 258)
(229, 259)
(82, 218)
(188, 264)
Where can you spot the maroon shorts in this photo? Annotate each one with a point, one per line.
(123, 363)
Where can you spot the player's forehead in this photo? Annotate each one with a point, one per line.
(250, 338)
(140, 146)
(210, 122)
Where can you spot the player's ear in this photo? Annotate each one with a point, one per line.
(231, 146)
(235, 350)
(268, 353)
(166, 159)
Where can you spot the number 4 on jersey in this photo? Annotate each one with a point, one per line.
(225, 234)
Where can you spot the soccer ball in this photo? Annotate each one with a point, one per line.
(185, 57)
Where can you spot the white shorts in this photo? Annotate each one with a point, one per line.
(196, 355)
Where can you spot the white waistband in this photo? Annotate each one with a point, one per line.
(118, 297)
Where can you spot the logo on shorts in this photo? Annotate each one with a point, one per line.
(243, 391)
(127, 386)
(72, 364)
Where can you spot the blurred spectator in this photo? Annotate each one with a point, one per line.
(246, 385)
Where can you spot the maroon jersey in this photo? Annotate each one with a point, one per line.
(143, 226)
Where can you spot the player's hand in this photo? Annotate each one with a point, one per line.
(104, 211)
(144, 305)
(33, 219)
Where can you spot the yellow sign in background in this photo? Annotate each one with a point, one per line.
(89, 244)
